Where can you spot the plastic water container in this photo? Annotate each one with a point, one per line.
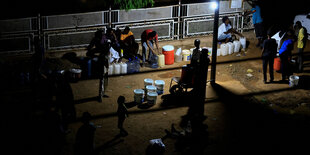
(168, 51)
(218, 52)
(237, 46)
(231, 48)
(161, 60)
(138, 96)
(293, 80)
(243, 42)
(123, 68)
(136, 65)
(160, 84)
(224, 49)
(150, 88)
(117, 69)
(148, 82)
(178, 52)
(111, 69)
(277, 64)
(151, 97)
(177, 58)
(75, 73)
(186, 55)
(130, 66)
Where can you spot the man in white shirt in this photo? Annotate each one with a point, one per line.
(225, 31)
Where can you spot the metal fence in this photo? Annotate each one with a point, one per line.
(71, 31)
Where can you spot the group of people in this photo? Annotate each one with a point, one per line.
(115, 45)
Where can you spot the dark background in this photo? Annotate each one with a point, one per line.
(277, 12)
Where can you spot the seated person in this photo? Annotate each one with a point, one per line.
(128, 43)
(225, 31)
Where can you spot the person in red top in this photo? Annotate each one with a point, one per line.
(147, 40)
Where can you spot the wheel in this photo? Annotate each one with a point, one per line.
(176, 90)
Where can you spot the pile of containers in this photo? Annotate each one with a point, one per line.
(151, 91)
(118, 68)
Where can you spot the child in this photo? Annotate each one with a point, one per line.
(122, 113)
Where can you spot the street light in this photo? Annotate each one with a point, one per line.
(215, 6)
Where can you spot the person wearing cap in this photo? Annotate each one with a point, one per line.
(301, 43)
(148, 37)
(225, 31)
(269, 52)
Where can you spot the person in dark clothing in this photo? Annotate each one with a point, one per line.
(196, 54)
(269, 52)
(122, 113)
(285, 54)
(84, 142)
(128, 44)
(95, 42)
(38, 58)
(103, 69)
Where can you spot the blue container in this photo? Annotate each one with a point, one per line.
(89, 68)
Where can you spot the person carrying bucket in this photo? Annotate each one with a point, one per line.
(147, 40)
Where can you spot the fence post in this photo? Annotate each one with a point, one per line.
(179, 19)
(110, 17)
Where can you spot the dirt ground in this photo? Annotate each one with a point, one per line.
(245, 116)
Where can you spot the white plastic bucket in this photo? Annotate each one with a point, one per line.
(160, 84)
(75, 73)
(148, 82)
(186, 55)
(231, 48)
(117, 69)
(151, 97)
(123, 68)
(138, 96)
(224, 49)
(150, 88)
(237, 46)
(293, 80)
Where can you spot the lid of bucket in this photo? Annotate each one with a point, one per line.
(152, 94)
(159, 82)
(150, 87)
(148, 80)
(75, 70)
(168, 48)
(138, 91)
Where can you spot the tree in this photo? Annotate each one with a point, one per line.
(133, 4)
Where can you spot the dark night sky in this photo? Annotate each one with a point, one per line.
(273, 11)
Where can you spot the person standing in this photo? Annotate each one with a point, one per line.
(301, 42)
(269, 52)
(103, 69)
(84, 142)
(285, 54)
(257, 21)
(122, 113)
(147, 40)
